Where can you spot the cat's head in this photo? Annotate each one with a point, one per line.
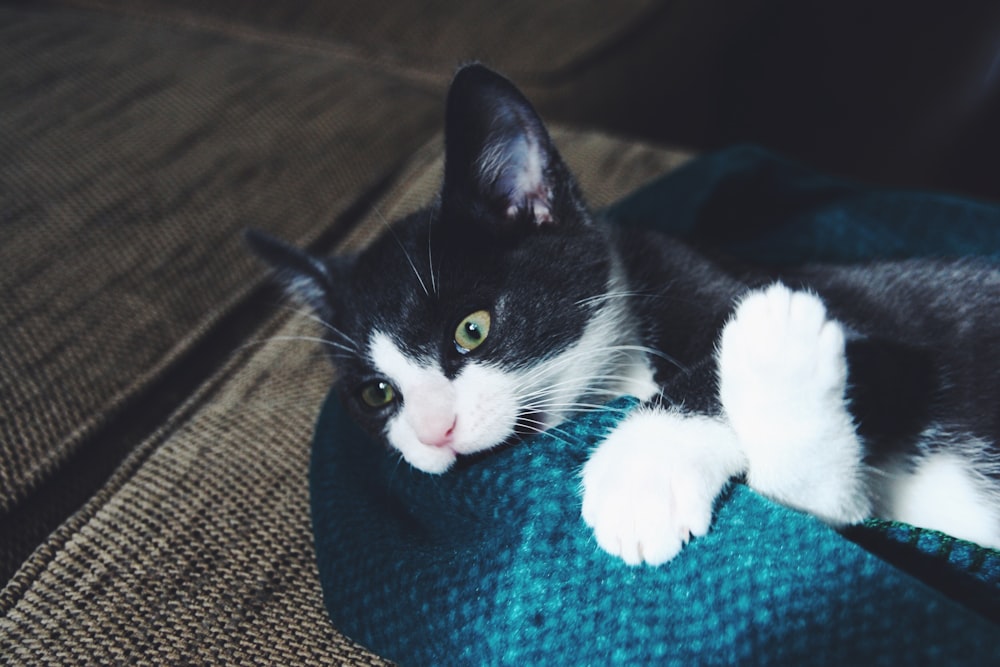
(481, 317)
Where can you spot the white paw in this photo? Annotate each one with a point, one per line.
(782, 383)
(650, 486)
(780, 351)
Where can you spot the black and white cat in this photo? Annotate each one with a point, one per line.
(501, 309)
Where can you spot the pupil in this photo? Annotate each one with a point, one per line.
(472, 330)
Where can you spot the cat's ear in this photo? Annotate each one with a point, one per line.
(307, 278)
(500, 164)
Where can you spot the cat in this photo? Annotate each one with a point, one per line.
(846, 392)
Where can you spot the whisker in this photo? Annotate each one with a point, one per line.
(314, 339)
(568, 406)
(554, 387)
(594, 399)
(403, 249)
(608, 296)
(560, 416)
(544, 369)
(394, 472)
(560, 410)
(430, 251)
(529, 425)
(341, 350)
(326, 325)
(652, 352)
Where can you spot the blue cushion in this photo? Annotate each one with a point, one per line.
(492, 564)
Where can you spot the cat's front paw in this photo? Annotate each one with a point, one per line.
(782, 384)
(650, 486)
(780, 352)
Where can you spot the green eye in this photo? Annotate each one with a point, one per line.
(472, 331)
(378, 394)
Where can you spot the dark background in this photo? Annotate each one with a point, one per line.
(896, 93)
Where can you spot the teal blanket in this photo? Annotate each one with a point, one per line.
(491, 563)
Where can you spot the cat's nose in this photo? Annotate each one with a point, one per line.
(429, 407)
(438, 437)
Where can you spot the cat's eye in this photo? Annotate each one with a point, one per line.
(472, 331)
(378, 394)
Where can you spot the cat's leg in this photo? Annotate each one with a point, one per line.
(947, 486)
(650, 486)
(782, 383)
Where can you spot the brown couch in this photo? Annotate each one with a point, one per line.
(155, 409)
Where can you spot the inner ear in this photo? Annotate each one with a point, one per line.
(499, 159)
(511, 171)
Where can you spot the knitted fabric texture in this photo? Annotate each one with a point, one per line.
(492, 564)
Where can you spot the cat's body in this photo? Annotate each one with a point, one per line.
(504, 308)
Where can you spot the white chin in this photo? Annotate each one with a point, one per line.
(433, 460)
(436, 460)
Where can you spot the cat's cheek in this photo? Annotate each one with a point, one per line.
(486, 406)
(484, 401)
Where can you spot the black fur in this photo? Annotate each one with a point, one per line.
(924, 335)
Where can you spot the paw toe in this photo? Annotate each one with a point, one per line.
(637, 530)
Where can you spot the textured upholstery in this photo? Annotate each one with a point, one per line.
(153, 448)
(126, 183)
(199, 547)
(522, 37)
(153, 445)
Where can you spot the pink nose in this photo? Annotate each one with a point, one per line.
(439, 436)
(430, 409)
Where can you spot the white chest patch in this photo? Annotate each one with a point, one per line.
(600, 366)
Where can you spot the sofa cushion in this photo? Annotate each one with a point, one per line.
(199, 549)
(523, 38)
(133, 155)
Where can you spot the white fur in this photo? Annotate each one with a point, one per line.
(650, 486)
(486, 404)
(637, 378)
(594, 365)
(602, 364)
(628, 371)
(478, 402)
(306, 290)
(530, 183)
(528, 187)
(944, 492)
(782, 377)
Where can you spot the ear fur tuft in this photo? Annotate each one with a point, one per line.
(305, 276)
(500, 162)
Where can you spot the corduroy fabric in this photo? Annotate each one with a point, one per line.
(133, 155)
(199, 549)
(523, 38)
